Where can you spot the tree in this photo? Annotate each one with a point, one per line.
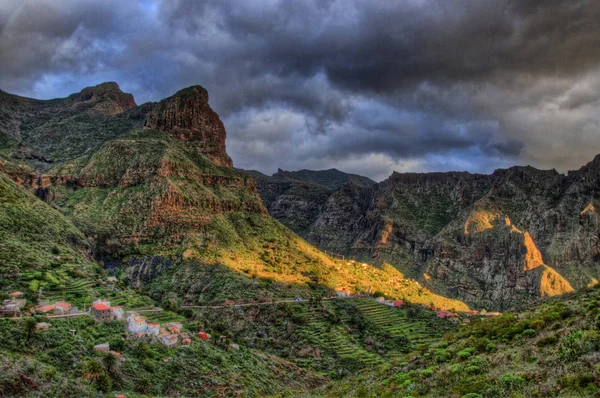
(92, 370)
(30, 327)
(143, 386)
(104, 383)
(110, 362)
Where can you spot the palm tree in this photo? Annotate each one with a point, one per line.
(104, 383)
(93, 370)
(143, 386)
(110, 362)
(30, 327)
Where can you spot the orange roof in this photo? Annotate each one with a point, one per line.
(153, 324)
(100, 307)
(62, 304)
(186, 341)
(15, 294)
(45, 308)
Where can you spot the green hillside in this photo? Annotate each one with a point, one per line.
(548, 350)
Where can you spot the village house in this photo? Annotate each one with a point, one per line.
(44, 309)
(42, 326)
(173, 327)
(186, 341)
(62, 308)
(101, 312)
(153, 329)
(136, 324)
(170, 340)
(12, 307)
(117, 313)
(443, 314)
(102, 347)
(204, 336)
(380, 299)
(16, 295)
(102, 301)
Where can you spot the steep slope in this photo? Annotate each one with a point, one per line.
(417, 223)
(161, 202)
(547, 350)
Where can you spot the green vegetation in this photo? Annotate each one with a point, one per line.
(56, 363)
(548, 350)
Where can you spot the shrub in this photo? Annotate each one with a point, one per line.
(511, 383)
(491, 347)
(529, 332)
(442, 356)
(473, 370)
(466, 353)
(472, 395)
(548, 340)
(427, 372)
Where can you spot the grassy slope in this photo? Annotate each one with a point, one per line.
(54, 363)
(145, 195)
(549, 350)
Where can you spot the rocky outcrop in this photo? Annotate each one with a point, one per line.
(494, 240)
(187, 116)
(106, 98)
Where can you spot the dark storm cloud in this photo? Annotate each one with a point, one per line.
(366, 86)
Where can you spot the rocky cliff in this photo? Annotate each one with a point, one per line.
(494, 240)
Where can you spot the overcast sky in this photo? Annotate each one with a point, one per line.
(364, 86)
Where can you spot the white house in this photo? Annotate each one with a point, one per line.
(170, 340)
(117, 312)
(152, 329)
(136, 324)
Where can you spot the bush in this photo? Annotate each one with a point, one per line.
(512, 383)
(466, 353)
(472, 395)
(548, 340)
(529, 332)
(427, 372)
(491, 347)
(473, 370)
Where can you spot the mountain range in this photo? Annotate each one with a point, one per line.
(94, 186)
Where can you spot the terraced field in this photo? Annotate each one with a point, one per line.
(163, 317)
(396, 322)
(335, 340)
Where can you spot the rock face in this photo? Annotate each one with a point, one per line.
(188, 117)
(494, 241)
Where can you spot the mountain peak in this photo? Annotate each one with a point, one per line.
(105, 92)
(187, 116)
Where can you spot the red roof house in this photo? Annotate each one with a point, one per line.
(204, 336)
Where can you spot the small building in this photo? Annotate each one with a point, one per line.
(102, 301)
(136, 324)
(380, 299)
(398, 303)
(152, 329)
(204, 336)
(173, 327)
(44, 309)
(42, 326)
(342, 293)
(186, 341)
(16, 295)
(117, 313)
(102, 347)
(170, 340)
(62, 308)
(101, 312)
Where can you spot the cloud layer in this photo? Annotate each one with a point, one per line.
(364, 86)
